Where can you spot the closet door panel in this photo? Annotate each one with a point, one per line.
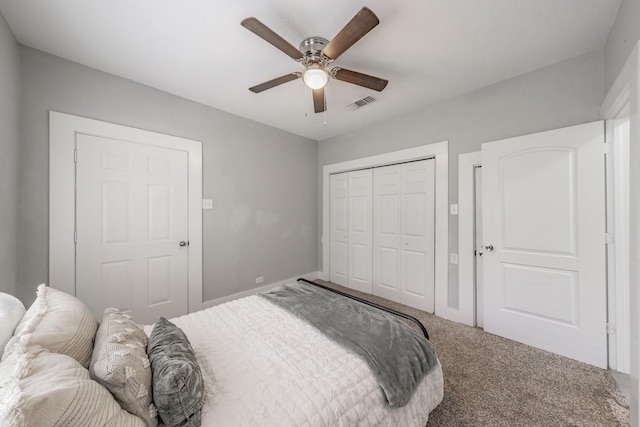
(418, 234)
(386, 233)
(360, 230)
(339, 235)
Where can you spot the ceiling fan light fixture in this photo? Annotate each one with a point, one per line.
(315, 77)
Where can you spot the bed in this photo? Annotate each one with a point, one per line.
(258, 363)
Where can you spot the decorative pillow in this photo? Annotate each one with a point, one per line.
(178, 388)
(39, 388)
(120, 363)
(11, 311)
(60, 323)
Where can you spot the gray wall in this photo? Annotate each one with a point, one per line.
(622, 39)
(9, 158)
(563, 94)
(262, 180)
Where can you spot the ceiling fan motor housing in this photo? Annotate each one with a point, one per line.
(312, 48)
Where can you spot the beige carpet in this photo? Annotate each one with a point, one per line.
(492, 381)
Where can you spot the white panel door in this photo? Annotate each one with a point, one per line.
(387, 232)
(404, 233)
(339, 235)
(418, 234)
(360, 230)
(131, 216)
(544, 207)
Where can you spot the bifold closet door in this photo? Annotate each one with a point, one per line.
(351, 229)
(404, 233)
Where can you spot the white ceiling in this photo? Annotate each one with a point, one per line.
(429, 50)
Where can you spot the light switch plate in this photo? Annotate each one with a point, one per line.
(207, 203)
(453, 259)
(454, 209)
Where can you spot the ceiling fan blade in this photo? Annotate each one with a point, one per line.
(266, 33)
(319, 104)
(371, 82)
(363, 22)
(275, 82)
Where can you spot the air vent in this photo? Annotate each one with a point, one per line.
(359, 103)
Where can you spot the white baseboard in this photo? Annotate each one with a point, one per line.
(264, 288)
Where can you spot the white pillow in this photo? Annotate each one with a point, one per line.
(11, 312)
(59, 322)
(39, 388)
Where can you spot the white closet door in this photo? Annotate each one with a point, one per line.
(418, 235)
(404, 233)
(387, 232)
(339, 229)
(360, 230)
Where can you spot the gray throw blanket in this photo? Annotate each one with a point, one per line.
(398, 356)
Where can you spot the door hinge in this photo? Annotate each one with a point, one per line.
(75, 236)
(611, 328)
(608, 238)
(608, 148)
(75, 155)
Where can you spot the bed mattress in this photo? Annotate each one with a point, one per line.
(264, 366)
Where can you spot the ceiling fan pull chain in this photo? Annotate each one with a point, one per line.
(307, 103)
(325, 107)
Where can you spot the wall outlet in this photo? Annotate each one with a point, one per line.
(259, 280)
(207, 203)
(453, 259)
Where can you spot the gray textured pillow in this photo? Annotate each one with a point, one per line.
(178, 388)
(121, 365)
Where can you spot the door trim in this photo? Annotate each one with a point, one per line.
(62, 131)
(466, 219)
(440, 151)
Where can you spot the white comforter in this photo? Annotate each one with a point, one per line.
(264, 366)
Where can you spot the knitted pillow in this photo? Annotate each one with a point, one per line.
(121, 365)
(59, 322)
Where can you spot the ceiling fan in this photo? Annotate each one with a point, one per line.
(316, 53)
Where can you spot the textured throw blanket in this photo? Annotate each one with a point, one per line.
(398, 356)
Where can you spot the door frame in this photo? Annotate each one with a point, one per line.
(627, 88)
(437, 150)
(466, 235)
(62, 193)
(618, 291)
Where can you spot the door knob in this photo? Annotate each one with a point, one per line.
(488, 247)
(183, 243)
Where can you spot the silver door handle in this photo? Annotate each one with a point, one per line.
(183, 243)
(489, 247)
